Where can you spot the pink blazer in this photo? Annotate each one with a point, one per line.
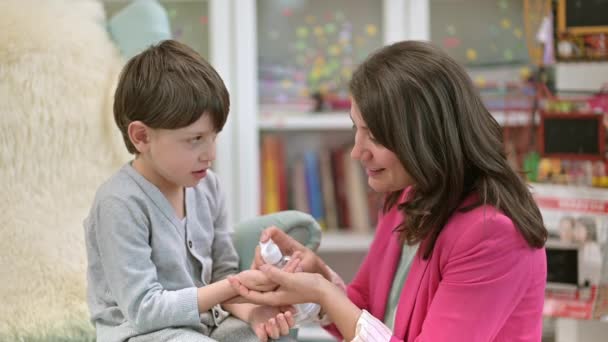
(482, 282)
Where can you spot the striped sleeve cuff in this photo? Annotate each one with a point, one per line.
(370, 329)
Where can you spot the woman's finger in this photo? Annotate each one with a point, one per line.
(257, 259)
(286, 243)
(276, 275)
(273, 298)
(234, 282)
(292, 265)
(243, 291)
(236, 300)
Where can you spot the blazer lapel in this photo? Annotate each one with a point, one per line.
(386, 277)
(409, 294)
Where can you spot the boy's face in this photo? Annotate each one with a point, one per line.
(180, 157)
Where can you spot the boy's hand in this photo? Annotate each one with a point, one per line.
(255, 279)
(270, 322)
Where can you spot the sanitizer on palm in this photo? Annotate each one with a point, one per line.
(306, 312)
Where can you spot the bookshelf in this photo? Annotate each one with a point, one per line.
(258, 112)
(345, 242)
(251, 119)
(330, 121)
(277, 121)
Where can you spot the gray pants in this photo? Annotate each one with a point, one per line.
(230, 330)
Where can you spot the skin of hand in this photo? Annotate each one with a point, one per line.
(310, 262)
(299, 287)
(302, 287)
(257, 280)
(271, 322)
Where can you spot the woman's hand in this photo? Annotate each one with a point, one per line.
(310, 262)
(270, 322)
(294, 288)
(259, 281)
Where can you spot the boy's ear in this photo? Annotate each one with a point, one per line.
(139, 134)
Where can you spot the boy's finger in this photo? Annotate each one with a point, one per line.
(286, 308)
(271, 328)
(291, 321)
(260, 331)
(282, 324)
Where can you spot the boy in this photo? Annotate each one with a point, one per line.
(158, 247)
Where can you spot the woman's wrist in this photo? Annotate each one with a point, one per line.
(322, 269)
(326, 291)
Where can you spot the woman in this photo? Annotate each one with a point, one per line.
(458, 252)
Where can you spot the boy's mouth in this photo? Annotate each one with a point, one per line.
(200, 173)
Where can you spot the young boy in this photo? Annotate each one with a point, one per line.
(158, 247)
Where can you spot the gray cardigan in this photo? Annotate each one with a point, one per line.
(144, 265)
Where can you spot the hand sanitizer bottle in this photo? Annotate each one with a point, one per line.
(305, 312)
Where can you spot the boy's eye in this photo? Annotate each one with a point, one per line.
(196, 139)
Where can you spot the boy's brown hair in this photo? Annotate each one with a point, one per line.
(169, 86)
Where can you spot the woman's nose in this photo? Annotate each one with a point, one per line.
(355, 153)
(360, 153)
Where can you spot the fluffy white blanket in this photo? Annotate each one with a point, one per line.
(58, 142)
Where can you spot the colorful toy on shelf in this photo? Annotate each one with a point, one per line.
(553, 104)
(572, 172)
(329, 101)
(598, 103)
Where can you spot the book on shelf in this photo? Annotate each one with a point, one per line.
(325, 183)
(298, 189)
(274, 193)
(327, 188)
(313, 186)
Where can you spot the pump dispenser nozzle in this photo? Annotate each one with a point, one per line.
(270, 252)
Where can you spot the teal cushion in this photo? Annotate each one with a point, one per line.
(139, 25)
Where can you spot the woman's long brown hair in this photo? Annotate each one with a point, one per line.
(420, 104)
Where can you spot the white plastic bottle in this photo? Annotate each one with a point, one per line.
(305, 312)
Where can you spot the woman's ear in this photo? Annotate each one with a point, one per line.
(139, 134)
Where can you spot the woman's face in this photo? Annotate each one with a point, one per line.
(382, 167)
